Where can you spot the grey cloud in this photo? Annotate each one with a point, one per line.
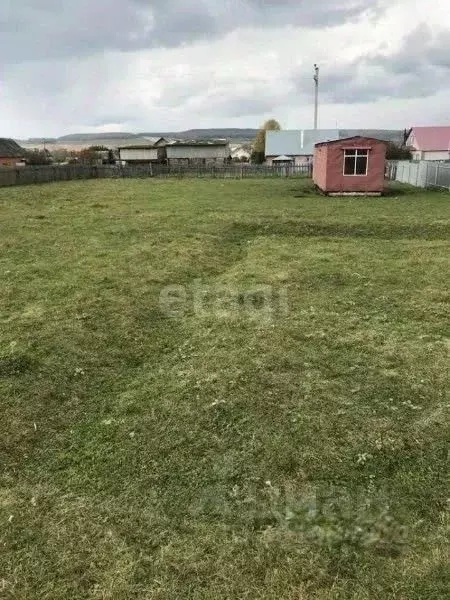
(420, 68)
(95, 93)
(207, 91)
(184, 21)
(112, 118)
(240, 104)
(74, 79)
(64, 28)
(83, 93)
(421, 48)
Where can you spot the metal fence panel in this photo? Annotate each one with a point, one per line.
(425, 174)
(442, 177)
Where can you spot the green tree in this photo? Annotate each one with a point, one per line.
(97, 155)
(38, 157)
(395, 152)
(60, 155)
(259, 145)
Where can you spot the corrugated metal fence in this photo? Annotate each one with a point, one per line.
(425, 174)
(47, 174)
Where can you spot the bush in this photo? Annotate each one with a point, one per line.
(395, 152)
(39, 157)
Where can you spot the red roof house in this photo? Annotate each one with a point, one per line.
(430, 143)
(353, 166)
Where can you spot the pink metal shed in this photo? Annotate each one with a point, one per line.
(351, 166)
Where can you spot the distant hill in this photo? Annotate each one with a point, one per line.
(191, 134)
(86, 137)
(40, 140)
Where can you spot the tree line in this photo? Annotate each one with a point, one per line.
(87, 156)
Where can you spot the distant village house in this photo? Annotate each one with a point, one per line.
(198, 153)
(429, 143)
(11, 154)
(176, 152)
(295, 147)
(139, 154)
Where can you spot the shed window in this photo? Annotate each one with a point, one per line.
(356, 162)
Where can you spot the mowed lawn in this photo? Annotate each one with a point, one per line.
(221, 440)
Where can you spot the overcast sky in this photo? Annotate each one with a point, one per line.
(167, 65)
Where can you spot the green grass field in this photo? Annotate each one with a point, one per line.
(286, 442)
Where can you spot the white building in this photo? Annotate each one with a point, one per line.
(143, 153)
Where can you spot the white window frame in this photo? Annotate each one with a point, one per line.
(362, 152)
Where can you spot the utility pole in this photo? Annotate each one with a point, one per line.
(316, 101)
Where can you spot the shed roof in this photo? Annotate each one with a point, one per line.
(429, 139)
(356, 139)
(10, 149)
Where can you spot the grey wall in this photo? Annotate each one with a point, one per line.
(207, 152)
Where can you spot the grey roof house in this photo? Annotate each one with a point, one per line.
(197, 152)
(156, 141)
(141, 154)
(296, 145)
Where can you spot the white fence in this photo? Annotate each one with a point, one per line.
(421, 174)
